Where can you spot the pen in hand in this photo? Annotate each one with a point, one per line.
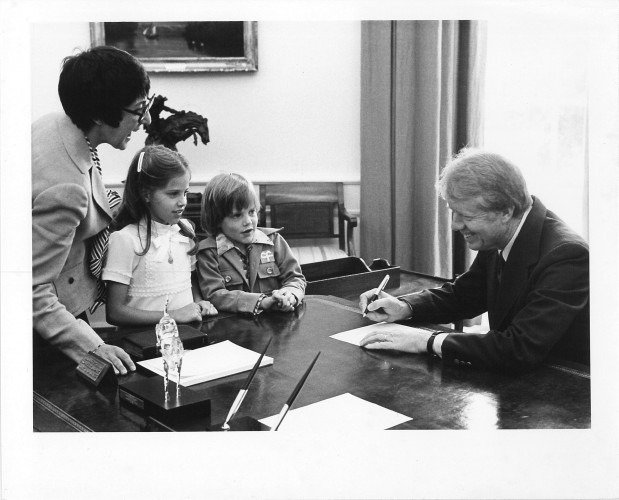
(380, 288)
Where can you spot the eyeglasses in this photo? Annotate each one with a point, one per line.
(141, 113)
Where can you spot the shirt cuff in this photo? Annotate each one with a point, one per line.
(438, 343)
(410, 307)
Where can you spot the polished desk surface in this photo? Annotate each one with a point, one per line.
(435, 396)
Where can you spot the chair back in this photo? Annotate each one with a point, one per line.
(308, 210)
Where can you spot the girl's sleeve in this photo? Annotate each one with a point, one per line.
(213, 286)
(119, 263)
(291, 278)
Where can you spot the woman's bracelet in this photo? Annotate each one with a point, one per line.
(94, 351)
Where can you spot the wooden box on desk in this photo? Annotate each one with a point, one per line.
(349, 275)
(147, 396)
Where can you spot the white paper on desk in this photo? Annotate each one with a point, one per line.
(210, 363)
(355, 336)
(344, 413)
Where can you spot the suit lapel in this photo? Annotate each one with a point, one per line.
(98, 191)
(524, 254)
(77, 149)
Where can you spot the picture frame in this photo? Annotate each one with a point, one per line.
(186, 46)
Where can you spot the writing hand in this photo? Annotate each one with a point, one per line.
(385, 308)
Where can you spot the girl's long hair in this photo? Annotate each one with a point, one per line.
(157, 165)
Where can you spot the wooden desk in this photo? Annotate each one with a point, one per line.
(435, 396)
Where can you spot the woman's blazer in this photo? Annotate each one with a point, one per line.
(69, 205)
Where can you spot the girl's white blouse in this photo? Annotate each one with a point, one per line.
(151, 277)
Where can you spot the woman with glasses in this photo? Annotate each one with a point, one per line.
(104, 94)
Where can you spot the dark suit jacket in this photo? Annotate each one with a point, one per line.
(540, 309)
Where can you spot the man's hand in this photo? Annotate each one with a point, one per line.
(119, 359)
(385, 308)
(414, 341)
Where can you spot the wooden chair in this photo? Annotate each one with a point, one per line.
(316, 224)
(192, 212)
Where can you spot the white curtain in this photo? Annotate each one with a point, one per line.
(421, 86)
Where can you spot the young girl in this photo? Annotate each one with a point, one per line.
(151, 254)
(242, 268)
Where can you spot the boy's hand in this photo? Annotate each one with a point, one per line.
(286, 301)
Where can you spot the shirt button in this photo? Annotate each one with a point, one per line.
(227, 279)
(71, 280)
(269, 270)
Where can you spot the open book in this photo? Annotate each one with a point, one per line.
(210, 363)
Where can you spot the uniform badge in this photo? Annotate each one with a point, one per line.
(266, 256)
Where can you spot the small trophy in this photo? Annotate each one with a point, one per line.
(171, 346)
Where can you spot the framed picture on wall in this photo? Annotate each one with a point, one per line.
(184, 46)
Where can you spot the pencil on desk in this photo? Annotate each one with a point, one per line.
(380, 288)
(293, 396)
(241, 395)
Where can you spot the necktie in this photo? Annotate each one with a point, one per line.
(500, 264)
(98, 243)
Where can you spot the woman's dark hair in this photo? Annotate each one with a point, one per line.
(158, 165)
(98, 83)
(223, 194)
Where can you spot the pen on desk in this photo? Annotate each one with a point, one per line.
(241, 395)
(293, 396)
(380, 288)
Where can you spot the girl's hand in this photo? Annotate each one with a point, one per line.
(188, 314)
(286, 301)
(207, 308)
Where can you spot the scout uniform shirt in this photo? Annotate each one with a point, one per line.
(233, 281)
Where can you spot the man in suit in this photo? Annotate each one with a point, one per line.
(531, 274)
(104, 95)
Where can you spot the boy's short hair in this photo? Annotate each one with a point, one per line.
(98, 83)
(223, 194)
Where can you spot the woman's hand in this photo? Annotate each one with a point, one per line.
(119, 359)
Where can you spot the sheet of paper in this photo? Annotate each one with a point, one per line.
(210, 363)
(344, 413)
(355, 336)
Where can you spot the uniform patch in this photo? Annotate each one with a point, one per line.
(266, 256)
